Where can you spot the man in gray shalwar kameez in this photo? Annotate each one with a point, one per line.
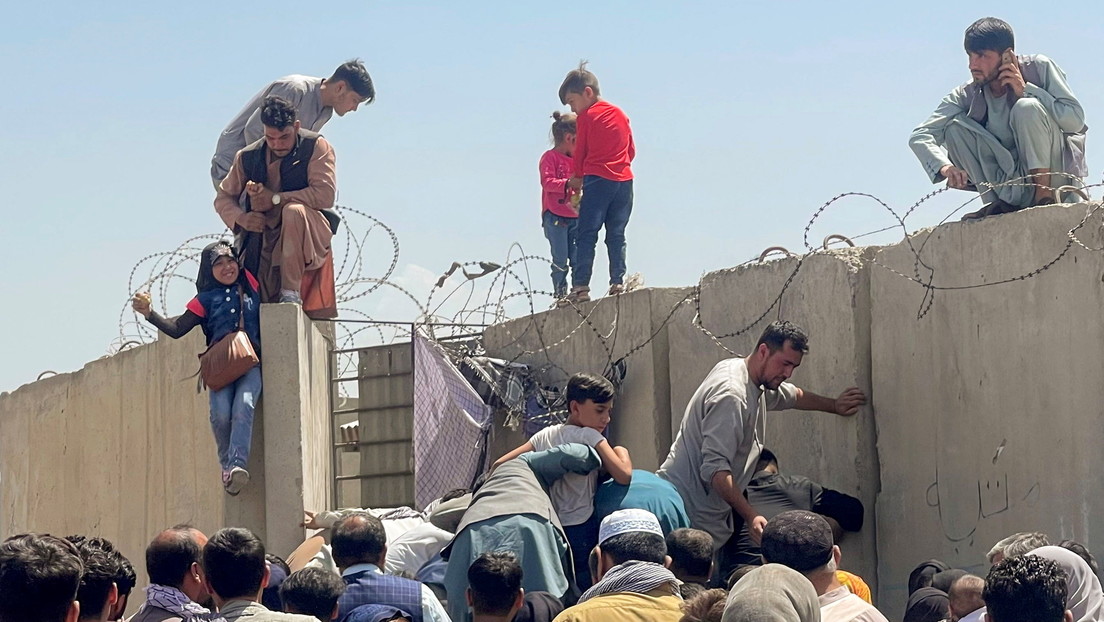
(1016, 124)
(714, 455)
(315, 100)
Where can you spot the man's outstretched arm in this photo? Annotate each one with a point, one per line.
(846, 404)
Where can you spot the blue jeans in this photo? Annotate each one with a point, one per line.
(608, 203)
(560, 232)
(232, 418)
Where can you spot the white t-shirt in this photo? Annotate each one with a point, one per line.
(573, 495)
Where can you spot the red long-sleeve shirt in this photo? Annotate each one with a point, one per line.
(604, 143)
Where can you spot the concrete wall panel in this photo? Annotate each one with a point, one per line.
(989, 406)
(121, 448)
(829, 298)
(299, 422)
(561, 342)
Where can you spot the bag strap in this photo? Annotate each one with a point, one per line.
(241, 306)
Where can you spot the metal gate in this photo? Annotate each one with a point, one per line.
(373, 426)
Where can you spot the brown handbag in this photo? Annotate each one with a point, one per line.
(228, 358)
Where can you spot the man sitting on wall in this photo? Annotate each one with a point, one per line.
(1014, 134)
(273, 200)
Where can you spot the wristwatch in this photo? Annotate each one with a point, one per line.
(276, 199)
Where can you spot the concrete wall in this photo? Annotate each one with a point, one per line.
(983, 421)
(123, 447)
(297, 391)
(829, 298)
(989, 407)
(564, 341)
(984, 413)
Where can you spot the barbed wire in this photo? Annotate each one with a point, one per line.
(474, 294)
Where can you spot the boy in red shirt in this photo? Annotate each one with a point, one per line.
(603, 153)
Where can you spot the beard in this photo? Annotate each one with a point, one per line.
(984, 81)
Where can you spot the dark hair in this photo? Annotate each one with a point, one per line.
(354, 74)
(739, 573)
(495, 581)
(705, 606)
(312, 591)
(563, 123)
(276, 560)
(1027, 588)
(234, 562)
(39, 577)
(691, 552)
(635, 546)
(358, 538)
(455, 493)
(690, 589)
(766, 458)
(989, 33)
(577, 80)
(778, 332)
(103, 566)
(171, 555)
(582, 387)
(799, 539)
(127, 578)
(1081, 552)
(924, 573)
(277, 112)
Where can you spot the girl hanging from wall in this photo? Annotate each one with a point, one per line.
(227, 300)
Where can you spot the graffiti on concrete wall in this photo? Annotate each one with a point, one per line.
(964, 500)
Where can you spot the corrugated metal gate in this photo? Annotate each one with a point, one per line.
(373, 450)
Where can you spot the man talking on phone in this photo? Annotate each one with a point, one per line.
(1015, 133)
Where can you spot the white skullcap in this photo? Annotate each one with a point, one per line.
(625, 521)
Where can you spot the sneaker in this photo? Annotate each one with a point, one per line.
(292, 296)
(237, 479)
(577, 295)
(225, 477)
(616, 289)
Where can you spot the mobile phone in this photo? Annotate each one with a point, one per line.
(1008, 57)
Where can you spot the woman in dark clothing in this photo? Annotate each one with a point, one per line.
(226, 295)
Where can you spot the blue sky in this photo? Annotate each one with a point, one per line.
(747, 118)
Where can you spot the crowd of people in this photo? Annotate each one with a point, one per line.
(1015, 133)
(641, 573)
(564, 527)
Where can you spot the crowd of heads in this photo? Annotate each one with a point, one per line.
(48, 579)
(1028, 580)
(44, 578)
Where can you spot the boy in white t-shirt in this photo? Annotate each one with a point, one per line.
(589, 404)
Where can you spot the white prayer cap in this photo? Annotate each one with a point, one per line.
(625, 521)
